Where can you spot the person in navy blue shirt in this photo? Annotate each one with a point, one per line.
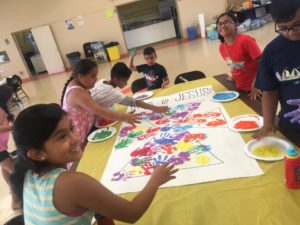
(279, 71)
(155, 74)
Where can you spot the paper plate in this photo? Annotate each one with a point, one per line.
(279, 146)
(102, 134)
(246, 123)
(143, 95)
(104, 123)
(225, 96)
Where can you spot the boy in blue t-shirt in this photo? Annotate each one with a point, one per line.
(155, 74)
(279, 71)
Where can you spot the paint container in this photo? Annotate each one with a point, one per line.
(292, 168)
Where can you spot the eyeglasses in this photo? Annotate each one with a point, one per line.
(226, 22)
(286, 30)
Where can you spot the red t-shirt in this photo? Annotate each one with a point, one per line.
(241, 57)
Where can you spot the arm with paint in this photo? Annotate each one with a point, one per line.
(99, 199)
(132, 53)
(84, 100)
(128, 101)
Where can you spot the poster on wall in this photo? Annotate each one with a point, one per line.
(69, 24)
(80, 20)
(193, 136)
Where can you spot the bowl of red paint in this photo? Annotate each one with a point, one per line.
(246, 123)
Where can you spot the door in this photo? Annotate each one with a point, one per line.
(48, 49)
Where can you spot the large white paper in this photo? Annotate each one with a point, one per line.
(193, 135)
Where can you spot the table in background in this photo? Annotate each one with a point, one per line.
(260, 200)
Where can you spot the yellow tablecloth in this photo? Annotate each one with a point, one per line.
(261, 200)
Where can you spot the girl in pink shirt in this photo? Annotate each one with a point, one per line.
(78, 103)
(5, 118)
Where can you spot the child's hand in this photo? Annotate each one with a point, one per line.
(132, 118)
(165, 83)
(255, 93)
(163, 174)
(132, 52)
(264, 131)
(296, 113)
(230, 78)
(161, 109)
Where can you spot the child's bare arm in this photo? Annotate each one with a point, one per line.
(159, 109)
(95, 196)
(269, 108)
(85, 101)
(4, 128)
(166, 82)
(131, 66)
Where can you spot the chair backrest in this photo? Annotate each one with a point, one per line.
(15, 81)
(138, 85)
(189, 76)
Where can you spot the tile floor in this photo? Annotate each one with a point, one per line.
(200, 54)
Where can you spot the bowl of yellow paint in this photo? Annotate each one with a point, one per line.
(267, 148)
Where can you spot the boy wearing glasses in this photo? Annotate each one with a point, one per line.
(155, 74)
(279, 71)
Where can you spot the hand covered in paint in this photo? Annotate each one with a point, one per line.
(294, 114)
(161, 109)
(264, 131)
(162, 174)
(255, 93)
(132, 118)
(132, 52)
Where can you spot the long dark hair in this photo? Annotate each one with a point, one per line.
(232, 16)
(83, 67)
(6, 93)
(31, 129)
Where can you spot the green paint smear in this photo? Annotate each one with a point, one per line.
(103, 134)
(123, 144)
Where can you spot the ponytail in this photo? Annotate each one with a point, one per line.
(64, 90)
(21, 166)
(83, 67)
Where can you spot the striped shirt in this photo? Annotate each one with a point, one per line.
(38, 202)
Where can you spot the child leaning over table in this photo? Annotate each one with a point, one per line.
(105, 93)
(279, 71)
(155, 74)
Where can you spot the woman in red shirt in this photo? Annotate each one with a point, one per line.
(241, 53)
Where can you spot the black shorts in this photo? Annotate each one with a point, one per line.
(4, 155)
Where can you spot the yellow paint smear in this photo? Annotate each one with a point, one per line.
(183, 146)
(137, 170)
(203, 160)
(267, 151)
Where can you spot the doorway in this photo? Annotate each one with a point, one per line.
(149, 21)
(29, 51)
(168, 10)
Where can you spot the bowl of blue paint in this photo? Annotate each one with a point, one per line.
(225, 96)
